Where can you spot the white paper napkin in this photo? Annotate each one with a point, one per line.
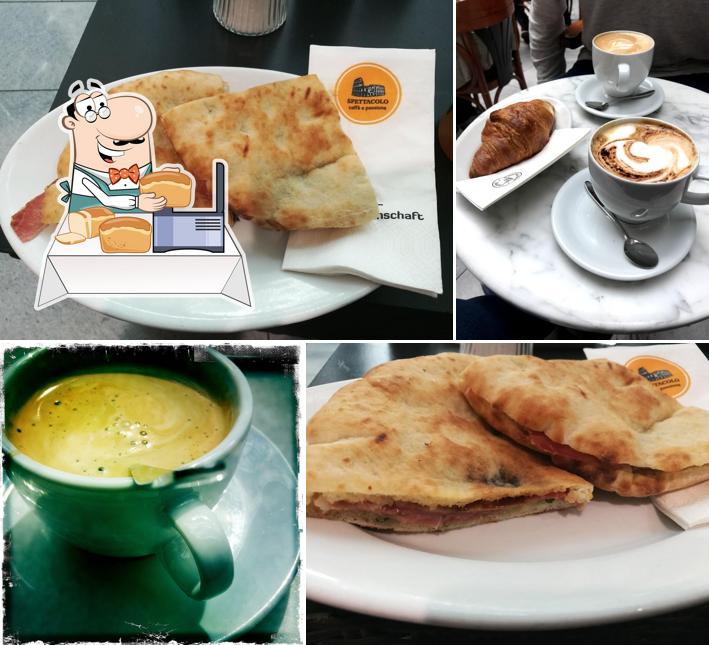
(485, 191)
(688, 507)
(686, 356)
(400, 248)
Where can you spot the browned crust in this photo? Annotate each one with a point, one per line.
(98, 211)
(622, 479)
(595, 407)
(166, 175)
(125, 222)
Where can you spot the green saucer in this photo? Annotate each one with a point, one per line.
(59, 592)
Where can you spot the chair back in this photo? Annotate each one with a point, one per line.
(479, 14)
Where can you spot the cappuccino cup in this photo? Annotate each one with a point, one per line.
(170, 516)
(622, 60)
(642, 168)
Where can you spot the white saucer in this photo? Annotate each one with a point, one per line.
(83, 596)
(591, 240)
(592, 90)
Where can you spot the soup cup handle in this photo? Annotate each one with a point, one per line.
(199, 560)
(697, 197)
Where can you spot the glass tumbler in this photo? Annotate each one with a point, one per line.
(251, 17)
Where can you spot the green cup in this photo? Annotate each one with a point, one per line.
(170, 517)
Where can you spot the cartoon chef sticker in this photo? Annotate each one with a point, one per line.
(112, 146)
(130, 228)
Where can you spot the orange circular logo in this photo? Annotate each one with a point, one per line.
(367, 93)
(663, 374)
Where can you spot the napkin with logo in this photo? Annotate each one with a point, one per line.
(385, 98)
(681, 371)
(484, 191)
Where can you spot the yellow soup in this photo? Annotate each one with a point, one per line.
(106, 424)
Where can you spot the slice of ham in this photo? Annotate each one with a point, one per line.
(541, 442)
(438, 516)
(27, 222)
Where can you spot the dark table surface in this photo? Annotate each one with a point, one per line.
(325, 624)
(138, 36)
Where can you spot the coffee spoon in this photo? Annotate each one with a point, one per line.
(639, 253)
(602, 105)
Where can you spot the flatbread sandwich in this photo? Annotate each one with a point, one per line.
(595, 418)
(401, 449)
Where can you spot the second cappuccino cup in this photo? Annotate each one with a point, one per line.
(642, 168)
(622, 60)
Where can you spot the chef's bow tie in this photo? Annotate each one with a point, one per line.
(132, 173)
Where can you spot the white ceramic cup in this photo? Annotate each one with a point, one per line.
(638, 202)
(621, 74)
(115, 516)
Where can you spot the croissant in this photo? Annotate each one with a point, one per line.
(512, 134)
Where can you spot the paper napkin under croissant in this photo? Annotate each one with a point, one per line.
(484, 191)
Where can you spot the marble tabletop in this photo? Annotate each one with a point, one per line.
(511, 249)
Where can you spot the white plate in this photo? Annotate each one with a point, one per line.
(282, 297)
(469, 141)
(591, 240)
(592, 90)
(618, 559)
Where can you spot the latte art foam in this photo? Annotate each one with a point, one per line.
(623, 42)
(644, 152)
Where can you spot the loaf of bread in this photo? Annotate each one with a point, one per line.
(86, 222)
(125, 235)
(174, 186)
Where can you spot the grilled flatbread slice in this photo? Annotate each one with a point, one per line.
(402, 450)
(290, 164)
(165, 90)
(595, 418)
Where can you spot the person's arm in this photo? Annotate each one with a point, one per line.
(122, 202)
(146, 201)
(546, 25)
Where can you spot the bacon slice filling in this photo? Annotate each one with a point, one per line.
(27, 222)
(435, 517)
(542, 443)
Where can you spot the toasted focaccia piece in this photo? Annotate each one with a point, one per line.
(402, 450)
(595, 418)
(290, 164)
